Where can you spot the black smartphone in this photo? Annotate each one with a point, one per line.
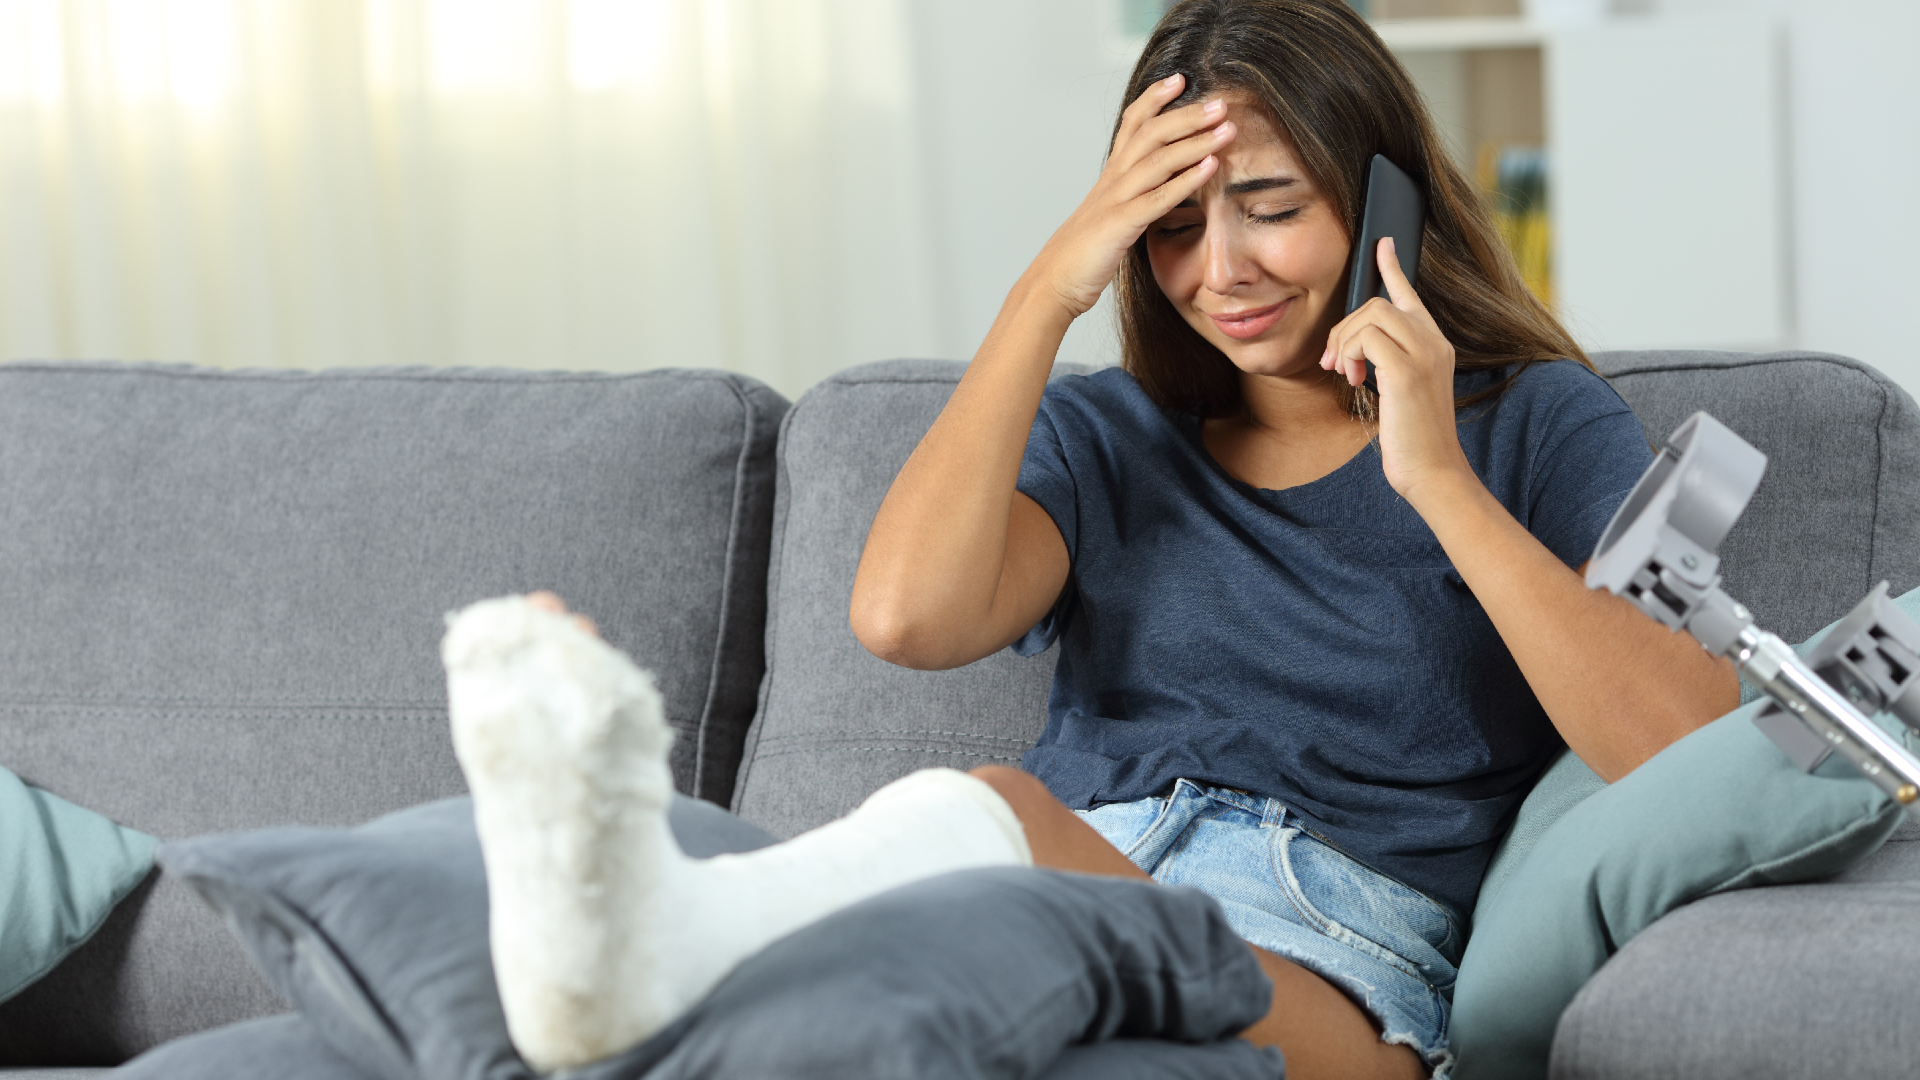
(1393, 206)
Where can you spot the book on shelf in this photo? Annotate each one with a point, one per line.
(1513, 179)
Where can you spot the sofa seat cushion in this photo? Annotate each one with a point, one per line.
(1800, 981)
(836, 722)
(221, 596)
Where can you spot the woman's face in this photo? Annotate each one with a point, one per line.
(1254, 260)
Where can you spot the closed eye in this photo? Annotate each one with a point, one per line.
(1273, 219)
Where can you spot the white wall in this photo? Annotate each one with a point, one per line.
(1855, 92)
(1852, 135)
(1670, 226)
(1017, 98)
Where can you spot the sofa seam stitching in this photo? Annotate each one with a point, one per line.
(1762, 360)
(868, 732)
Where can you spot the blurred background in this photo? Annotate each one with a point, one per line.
(788, 187)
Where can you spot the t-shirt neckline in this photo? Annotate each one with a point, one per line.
(1348, 474)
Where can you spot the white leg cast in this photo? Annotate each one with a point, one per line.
(602, 931)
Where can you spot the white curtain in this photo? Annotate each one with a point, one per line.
(600, 184)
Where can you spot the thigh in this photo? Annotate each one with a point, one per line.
(1320, 1030)
(1057, 837)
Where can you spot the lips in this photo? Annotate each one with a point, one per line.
(1250, 323)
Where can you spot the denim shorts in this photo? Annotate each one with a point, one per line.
(1389, 947)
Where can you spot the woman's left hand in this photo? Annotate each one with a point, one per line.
(1413, 364)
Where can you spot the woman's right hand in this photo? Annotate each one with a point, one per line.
(1158, 160)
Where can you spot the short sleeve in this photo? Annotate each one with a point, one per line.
(1046, 479)
(1582, 475)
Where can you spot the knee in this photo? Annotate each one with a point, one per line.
(1022, 790)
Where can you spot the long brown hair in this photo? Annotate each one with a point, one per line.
(1332, 87)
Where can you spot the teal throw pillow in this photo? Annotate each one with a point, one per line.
(64, 868)
(1587, 866)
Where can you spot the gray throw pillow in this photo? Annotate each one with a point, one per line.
(979, 973)
(379, 936)
(379, 933)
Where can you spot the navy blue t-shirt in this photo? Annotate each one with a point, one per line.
(1312, 645)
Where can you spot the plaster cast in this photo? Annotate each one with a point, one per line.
(602, 930)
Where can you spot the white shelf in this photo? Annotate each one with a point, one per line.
(1477, 32)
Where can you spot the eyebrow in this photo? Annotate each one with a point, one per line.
(1265, 183)
(1247, 187)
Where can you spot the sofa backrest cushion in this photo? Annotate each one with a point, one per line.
(1839, 508)
(1838, 511)
(835, 722)
(221, 598)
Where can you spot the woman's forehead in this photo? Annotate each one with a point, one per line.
(1259, 146)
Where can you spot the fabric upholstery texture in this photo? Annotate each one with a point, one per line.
(836, 722)
(62, 870)
(223, 596)
(1804, 982)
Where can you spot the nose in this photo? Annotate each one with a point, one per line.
(1228, 266)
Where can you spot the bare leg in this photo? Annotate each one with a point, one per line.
(1320, 1030)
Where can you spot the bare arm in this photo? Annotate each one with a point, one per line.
(1617, 685)
(958, 564)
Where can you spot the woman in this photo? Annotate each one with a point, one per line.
(1315, 642)
(1360, 612)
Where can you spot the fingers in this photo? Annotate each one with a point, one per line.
(1369, 342)
(1171, 160)
(1346, 351)
(1166, 129)
(1399, 289)
(1147, 106)
(1155, 204)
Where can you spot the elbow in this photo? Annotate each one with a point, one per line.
(889, 631)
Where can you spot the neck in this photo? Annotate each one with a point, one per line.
(1294, 404)
(1291, 431)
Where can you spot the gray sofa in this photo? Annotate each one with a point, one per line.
(220, 596)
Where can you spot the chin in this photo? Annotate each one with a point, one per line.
(1256, 358)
